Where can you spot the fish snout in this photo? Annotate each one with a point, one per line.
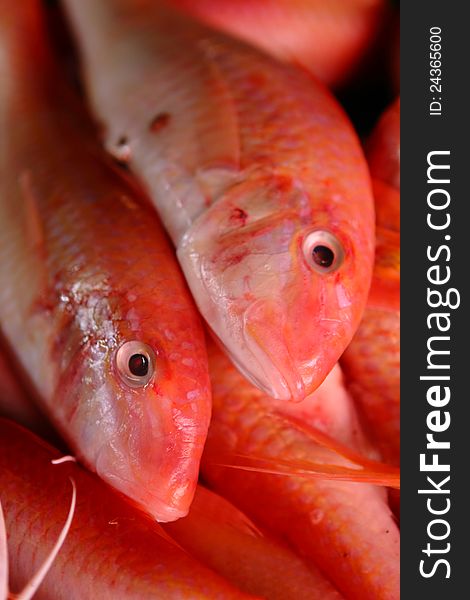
(158, 473)
(269, 360)
(164, 498)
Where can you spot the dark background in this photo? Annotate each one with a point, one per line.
(420, 134)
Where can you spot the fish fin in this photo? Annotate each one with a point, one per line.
(216, 508)
(3, 558)
(219, 111)
(32, 586)
(36, 236)
(195, 116)
(327, 441)
(383, 475)
(361, 468)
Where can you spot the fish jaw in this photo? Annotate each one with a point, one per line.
(298, 355)
(146, 443)
(160, 490)
(264, 373)
(151, 455)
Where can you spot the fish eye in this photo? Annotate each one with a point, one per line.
(323, 251)
(135, 362)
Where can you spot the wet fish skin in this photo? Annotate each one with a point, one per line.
(246, 160)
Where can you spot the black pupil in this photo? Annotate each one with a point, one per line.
(139, 365)
(323, 256)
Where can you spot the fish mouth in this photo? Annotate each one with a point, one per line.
(267, 379)
(281, 382)
(264, 357)
(264, 334)
(157, 507)
(163, 509)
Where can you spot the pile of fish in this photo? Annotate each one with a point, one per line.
(199, 303)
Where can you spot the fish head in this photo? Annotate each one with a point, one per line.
(139, 403)
(282, 288)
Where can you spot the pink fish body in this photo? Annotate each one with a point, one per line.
(257, 175)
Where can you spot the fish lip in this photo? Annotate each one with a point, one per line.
(166, 514)
(279, 376)
(261, 370)
(159, 509)
(279, 392)
(276, 384)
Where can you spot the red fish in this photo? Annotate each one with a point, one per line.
(92, 301)
(111, 549)
(346, 529)
(257, 175)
